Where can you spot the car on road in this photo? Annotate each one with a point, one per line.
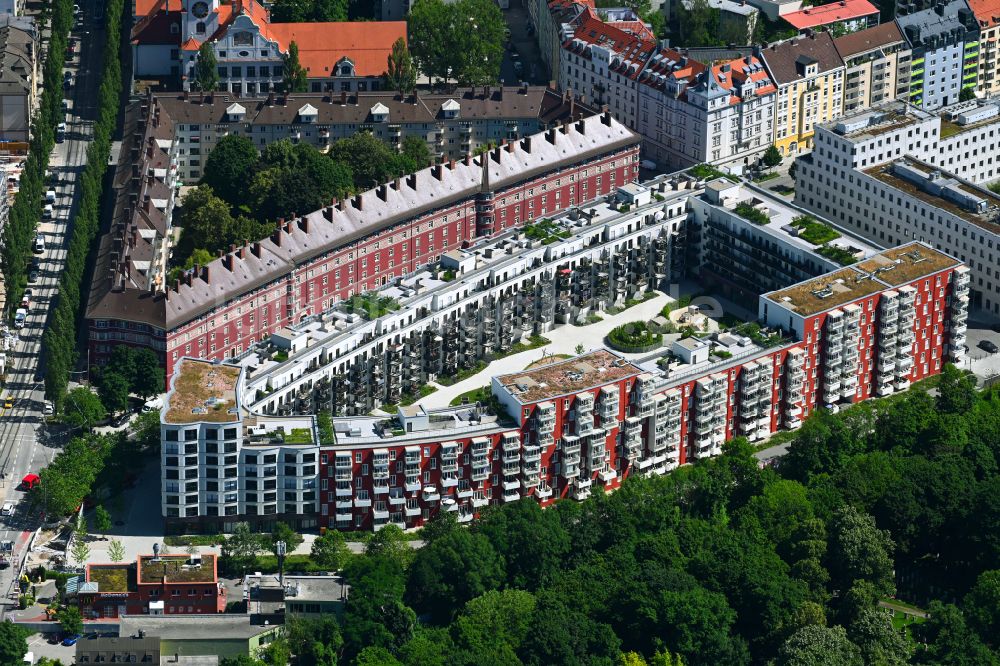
(50, 196)
(989, 346)
(19, 316)
(30, 481)
(8, 402)
(47, 408)
(48, 211)
(39, 243)
(32, 277)
(68, 81)
(26, 298)
(61, 133)
(7, 509)
(71, 640)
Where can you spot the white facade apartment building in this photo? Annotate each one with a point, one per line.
(690, 113)
(889, 175)
(602, 63)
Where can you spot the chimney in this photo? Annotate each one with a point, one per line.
(563, 129)
(510, 147)
(241, 251)
(255, 249)
(146, 203)
(328, 211)
(270, 99)
(382, 191)
(277, 236)
(177, 285)
(340, 205)
(304, 224)
(526, 144)
(581, 126)
(572, 107)
(411, 181)
(467, 160)
(189, 274)
(606, 117)
(227, 261)
(343, 98)
(436, 171)
(149, 178)
(451, 164)
(358, 202)
(550, 136)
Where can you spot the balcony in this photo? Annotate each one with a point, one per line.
(543, 491)
(511, 495)
(480, 501)
(345, 492)
(465, 516)
(608, 475)
(412, 485)
(431, 494)
(380, 513)
(449, 481)
(412, 510)
(345, 503)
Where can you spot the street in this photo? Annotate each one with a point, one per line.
(23, 444)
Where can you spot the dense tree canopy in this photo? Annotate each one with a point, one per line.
(721, 562)
(462, 40)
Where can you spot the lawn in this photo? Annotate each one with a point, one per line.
(481, 394)
(299, 436)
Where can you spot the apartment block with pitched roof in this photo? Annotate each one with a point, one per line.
(809, 75)
(690, 113)
(944, 37)
(878, 66)
(987, 14)
(250, 49)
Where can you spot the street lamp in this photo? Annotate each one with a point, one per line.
(279, 550)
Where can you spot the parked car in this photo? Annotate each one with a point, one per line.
(7, 509)
(50, 196)
(26, 298)
(32, 277)
(19, 317)
(47, 408)
(989, 346)
(48, 211)
(8, 402)
(71, 640)
(39, 243)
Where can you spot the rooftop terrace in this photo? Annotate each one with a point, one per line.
(202, 391)
(175, 569)
(571, 376)
(906, 263)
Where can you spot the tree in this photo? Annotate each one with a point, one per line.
(967, 94)
(80, 550)
(206, 70)
(330, 550)
(114, 391)
(400, 75)
(879, 642)
(949, 640)
(295, 178)
(70, 620)
(208, 224)
(579, 349)
(277, 652)
(389, 542)
(13, 642)
(415, 149)
(146, 430)
(71, 474)
(282, 532)
(314, 641)
(370, 161)
(817, 646)
(331, 10)
(982, 605)
(376, 656)
(296, 79)
(84, 409)
(116, 551)
(956, 390)
(375, 614)
(771, 157)
(860, 551)
(493, 624)
(149, 378)
(462, 41)
(292, 11)
(229, 169)
(242, 547)
(102, 520)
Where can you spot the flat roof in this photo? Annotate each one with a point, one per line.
(110, 577)
(884, 173)
(890, 268)
(202, 391)
(570, 376)
(194, 627)
(174, 569)
(906, 263)
(826, 292)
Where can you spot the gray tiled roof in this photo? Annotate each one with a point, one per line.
(376, 210)
(781, 58)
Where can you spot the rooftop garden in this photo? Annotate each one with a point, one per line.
(758, 335)
(813, 231)
(838, 254)
(324, 424)
(546, 231)
(110, 579)
(634, 337)
(747, 211)
(371, 306)
(298, 436)
(174, 569)
(709, 172)
(203, 392)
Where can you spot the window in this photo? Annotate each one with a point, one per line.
(243, 38)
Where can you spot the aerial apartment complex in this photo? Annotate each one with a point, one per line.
(241, 441)
(319, 259)
(897, 174)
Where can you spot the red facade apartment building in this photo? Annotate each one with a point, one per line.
(865, 330)
(154, 585)
(311, 262)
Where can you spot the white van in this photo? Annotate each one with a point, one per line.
(153, 405)
(50, 197)
(48, 211)
(19, 317)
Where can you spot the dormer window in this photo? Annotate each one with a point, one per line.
(451, 109)
(235, 112)
(243, 38)
(345, 67)
(174, 28)
(380, 113)
(307, 114)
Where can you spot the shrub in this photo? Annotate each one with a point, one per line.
(745, 210)
(813, 231)
(838, 254)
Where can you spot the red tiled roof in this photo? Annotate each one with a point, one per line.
(833, 12)
(593, 31)
(322, 45)
(147, 7)
(155, 29)
(738, 75)
(987, 12)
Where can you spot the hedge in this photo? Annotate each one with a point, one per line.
(60, 335)
(634, 338)
(22, 222)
